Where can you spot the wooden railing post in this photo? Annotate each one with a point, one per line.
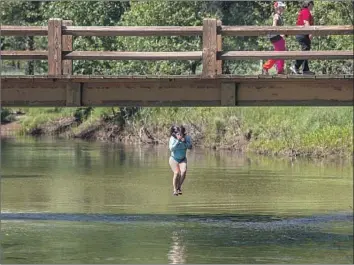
(219, 47)
(67, 46)
(209, 47)
(54, 46)
(73, 90)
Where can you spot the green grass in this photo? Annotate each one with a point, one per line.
(308, 131)
(36, 117)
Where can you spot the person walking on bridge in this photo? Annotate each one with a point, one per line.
(278, 41)
(304, 18)
(178, 145)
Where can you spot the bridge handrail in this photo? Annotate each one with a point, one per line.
(111, 31)
(105, 31)
(195, 55)
(286, 30)
(60, 34)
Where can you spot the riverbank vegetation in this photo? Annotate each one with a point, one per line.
(288, 131)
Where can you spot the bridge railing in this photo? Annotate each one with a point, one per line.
(60, 52)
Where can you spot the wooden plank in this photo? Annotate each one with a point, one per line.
(152, 93)
(133, 30)
(286, 30)
(219, 63)
(46, 93)
(316, 92)
(228, 94)
(23, 30)
(209, 47)
(232, 55)
(54, 47)
(67, 45)
(332, 77)
(64, 91)
(108, 55)
(24, 55)
(311, 55)
(73, 95)
(158, 78)
(9, 30)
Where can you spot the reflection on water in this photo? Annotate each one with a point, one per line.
(78, 202)
(177, 253)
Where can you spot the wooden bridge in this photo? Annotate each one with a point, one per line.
(212, 88)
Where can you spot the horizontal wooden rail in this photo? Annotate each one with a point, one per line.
(23, 30)
(196, 55)
(24, 55)
(98, 55)
(256, 55)
(176, 31)
(133, 31)
(77, 78)
(286, 30)
(105, 31)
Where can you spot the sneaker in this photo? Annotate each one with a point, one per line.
(175, 193)
(265, 72)
(294, 70)
(308, 73)
(179, 191)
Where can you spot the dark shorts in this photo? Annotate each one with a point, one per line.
(183, 160)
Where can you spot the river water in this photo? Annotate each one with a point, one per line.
(80, 202)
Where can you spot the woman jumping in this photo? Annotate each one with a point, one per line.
(179, 143)
(278, 41)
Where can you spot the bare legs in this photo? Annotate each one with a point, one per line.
(175, 182)
(182, 175)
(179, 174)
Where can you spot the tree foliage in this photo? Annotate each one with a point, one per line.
(177, 13)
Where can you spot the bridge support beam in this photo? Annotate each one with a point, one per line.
(73, 95)
(174, 91)
(228, 94)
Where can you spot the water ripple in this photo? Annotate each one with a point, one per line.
(250, 221)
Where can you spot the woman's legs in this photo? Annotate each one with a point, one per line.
(280, 46)
(269, 64)
(305, 44)
(183, 173)
(176, 172)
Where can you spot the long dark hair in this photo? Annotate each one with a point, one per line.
(183, 130)
(174, 130)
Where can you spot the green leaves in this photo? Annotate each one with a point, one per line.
(160, 13)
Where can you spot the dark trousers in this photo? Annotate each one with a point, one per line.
(305, 44)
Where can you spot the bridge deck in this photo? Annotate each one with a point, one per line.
(191, 90)
(79, 78)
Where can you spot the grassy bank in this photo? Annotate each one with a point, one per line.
(274, 130)
(300, 131)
